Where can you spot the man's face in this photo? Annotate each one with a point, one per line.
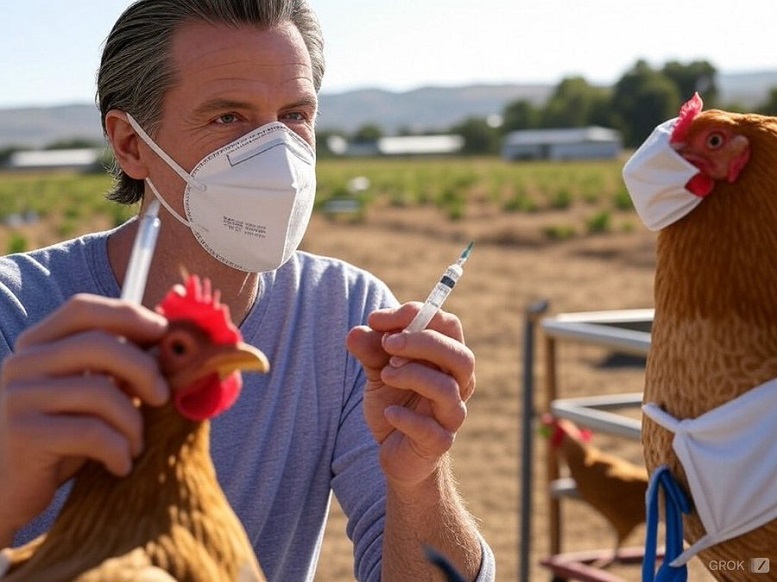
(229, 81)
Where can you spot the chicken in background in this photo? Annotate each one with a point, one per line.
(714, 335)
(613, 486)
(169, 519)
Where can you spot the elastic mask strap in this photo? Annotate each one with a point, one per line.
(165, 204)
(162, 154)
(676, 504)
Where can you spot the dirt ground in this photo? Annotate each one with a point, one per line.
(511, 267)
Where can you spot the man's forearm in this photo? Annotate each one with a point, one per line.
(7, 530)
(6, 538)
(429, 514)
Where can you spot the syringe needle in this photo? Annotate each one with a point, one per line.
(440, 292)
(465, 255)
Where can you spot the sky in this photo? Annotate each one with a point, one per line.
(50, 48)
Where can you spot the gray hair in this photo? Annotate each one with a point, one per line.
(135, 71)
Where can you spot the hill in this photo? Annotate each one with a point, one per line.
(427, 108)
(40, 126)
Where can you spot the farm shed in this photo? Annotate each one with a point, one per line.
(415, 145)
(405, 145)
(68, 159)
(578, 143)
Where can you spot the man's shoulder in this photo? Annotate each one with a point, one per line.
(50, 261)
(314, 261)
(320, 269)
(321, 289)
(34, 283)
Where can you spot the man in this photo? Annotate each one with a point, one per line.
(199, 98)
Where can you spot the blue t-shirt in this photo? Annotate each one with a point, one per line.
(294, 435)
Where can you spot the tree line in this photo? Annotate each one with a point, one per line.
(643, 97)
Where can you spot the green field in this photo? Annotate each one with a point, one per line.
(69, 204)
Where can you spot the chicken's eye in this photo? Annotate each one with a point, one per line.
(715, 140)
(178, 345)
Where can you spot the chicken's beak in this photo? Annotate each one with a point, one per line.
(241, 357)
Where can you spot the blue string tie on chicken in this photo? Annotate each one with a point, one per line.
(676, 503)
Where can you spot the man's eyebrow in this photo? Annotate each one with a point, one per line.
(307, 101)
(216, 105)
(221, 104)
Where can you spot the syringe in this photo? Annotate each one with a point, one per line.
(142, 253)
(440, 292)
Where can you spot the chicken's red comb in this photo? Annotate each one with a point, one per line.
(688, 112)
(195, 301)
(552, 429)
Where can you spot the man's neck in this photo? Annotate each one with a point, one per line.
(178, 253)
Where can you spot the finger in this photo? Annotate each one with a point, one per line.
(93, 351)
(398, 318)
(366, 346)
(81, 437)
(364, 342)
(444, 352)
(440, 389)
(94, 395)
(428, 439)
(83, 312)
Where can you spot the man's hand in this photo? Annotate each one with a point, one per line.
(417, 388)
(69, 393)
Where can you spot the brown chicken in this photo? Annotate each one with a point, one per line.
(612, 486)
(169, 519)
(714, 336)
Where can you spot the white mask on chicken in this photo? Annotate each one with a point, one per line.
(656, 176)
(248, 203)
(717, 450)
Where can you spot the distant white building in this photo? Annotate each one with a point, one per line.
(577, 143)
(69, 159)
(404, 145)
(419, 145)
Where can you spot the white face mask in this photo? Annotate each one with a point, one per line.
(729, 457)
(249, 202)
(656, 176)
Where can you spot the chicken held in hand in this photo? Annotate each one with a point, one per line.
(710, 411)
(169, 519)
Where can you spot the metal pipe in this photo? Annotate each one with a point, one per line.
(532, 315)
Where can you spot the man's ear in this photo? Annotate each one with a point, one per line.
(126, 144)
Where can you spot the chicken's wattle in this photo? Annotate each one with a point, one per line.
(209, 396)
